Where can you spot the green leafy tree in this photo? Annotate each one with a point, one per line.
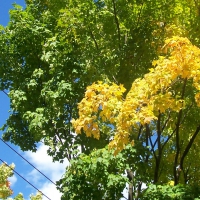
(171, 192)
(101, 175)
(53, 49)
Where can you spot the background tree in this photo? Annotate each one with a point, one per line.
(51, 51)
(5, 190)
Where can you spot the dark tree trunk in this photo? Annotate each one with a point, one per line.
(130, 187)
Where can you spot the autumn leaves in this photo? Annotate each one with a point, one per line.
(156, 93)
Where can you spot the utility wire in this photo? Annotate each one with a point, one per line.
(4, 92)
(27, 161)
(24, 179)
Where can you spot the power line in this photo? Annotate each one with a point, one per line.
(27, 161)
(24, 179)
(5, 93)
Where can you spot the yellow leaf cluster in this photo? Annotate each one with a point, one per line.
(102, 103)
(149, 96)
(171, 183)
(152, 94)
(5, 172)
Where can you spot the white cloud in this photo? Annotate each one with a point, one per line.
(34, 176)
(49, 190)
(53, 170)
(12, 180)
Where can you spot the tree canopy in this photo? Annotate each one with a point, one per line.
(111, 85)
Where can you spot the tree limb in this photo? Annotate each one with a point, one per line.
(92, 35)
(189, 146)
(177, 173)
(117, 23)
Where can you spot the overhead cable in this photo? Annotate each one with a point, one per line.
(25, 179)
(27, 161)
(5, 93)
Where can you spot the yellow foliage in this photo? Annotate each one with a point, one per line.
(148, 97)
(171, 183)
(99, 98)
(5, 172)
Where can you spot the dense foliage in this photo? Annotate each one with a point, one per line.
(57, 53)
(5, 172)
(5, 190)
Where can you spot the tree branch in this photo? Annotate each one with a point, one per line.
(177, 173)
(166, 121)
(117, 23)
(152, 147)
(139, 133)
(188, 147)
(130, 189)
(147, 140)
(156, 171)
(139, 16)
(92, 35)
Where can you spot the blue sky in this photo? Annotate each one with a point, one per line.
(39, 159)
